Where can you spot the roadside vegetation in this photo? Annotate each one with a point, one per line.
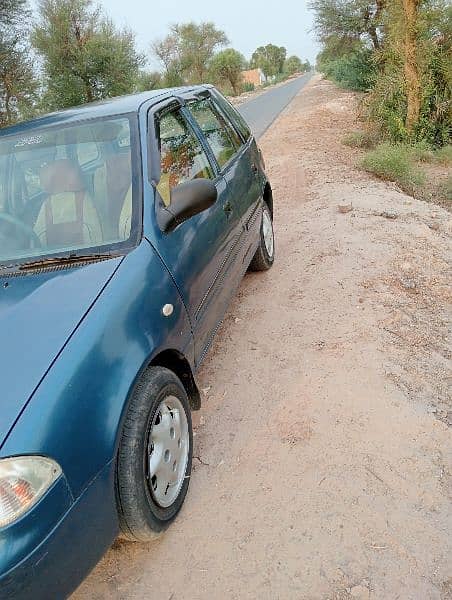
(68, 52)
(398, 53)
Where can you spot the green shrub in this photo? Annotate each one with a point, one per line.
(421, 151)
(444, 155)
(394, 162)
(360, 139)
(248, 87)
(354, 71)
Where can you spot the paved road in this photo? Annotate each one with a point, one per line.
(263, 110)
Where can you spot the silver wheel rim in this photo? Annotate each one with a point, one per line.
(168, 449)
(267, 232)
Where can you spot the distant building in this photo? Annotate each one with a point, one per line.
(254, 76)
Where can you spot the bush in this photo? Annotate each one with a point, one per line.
(248, 86)
(388, 100)
(444, 155)
(360, 139)
(354, 71)
(394, 162)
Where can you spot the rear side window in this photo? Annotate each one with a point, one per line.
(233, 114)
(182, 158)
(222, 139)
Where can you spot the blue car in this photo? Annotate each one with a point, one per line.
(125, 228)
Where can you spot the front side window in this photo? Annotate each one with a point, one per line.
(222, 139)
(66, 189)
(182, 158)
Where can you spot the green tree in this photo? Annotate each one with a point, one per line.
(349, 20)
(293, 65)
(149, 80)
(18, 85)
(269, 58)
(399, 51)
(85, 57)
(185, 53)
(226, 67)
(411, 99)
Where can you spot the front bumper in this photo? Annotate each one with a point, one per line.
(56, 564)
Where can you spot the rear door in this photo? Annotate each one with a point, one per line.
(249, 182)
(233, 159)
(198, 253)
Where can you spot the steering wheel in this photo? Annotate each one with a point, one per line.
(29, 231)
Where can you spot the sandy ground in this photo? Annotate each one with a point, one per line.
(324, 450)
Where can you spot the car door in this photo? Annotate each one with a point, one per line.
(248, 196)
(198, 253)
(225, 147)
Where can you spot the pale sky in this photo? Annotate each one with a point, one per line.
(247, 23)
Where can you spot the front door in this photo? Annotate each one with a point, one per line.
(199, 251)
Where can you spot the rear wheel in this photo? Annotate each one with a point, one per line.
(265, 253)
(154, 456)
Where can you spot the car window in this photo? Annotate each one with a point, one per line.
(233, 114)
(182, 157)
(66, 188)
(222, 139)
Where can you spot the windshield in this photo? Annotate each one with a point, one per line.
(67, 190)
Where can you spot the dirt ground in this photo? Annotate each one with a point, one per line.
(323, 464)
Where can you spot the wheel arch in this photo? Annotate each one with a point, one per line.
(176, 362)
(268, 197)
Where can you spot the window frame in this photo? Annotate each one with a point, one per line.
(154, 113)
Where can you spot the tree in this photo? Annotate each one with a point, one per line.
(349, 20)
(85, 57)
(411, 67)
(149, 80)
(227, 66)
(269, 58)
(18, 84)
(400, 52)
(186, 51)
(293, 65)
(412, 97)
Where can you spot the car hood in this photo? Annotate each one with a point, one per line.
(38, 314)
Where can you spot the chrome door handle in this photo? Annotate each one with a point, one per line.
(227, 207)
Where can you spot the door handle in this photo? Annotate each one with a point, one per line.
(227, 207)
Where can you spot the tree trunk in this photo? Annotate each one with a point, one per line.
(411, 67)
(374, 37)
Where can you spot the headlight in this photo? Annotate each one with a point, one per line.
(23, 480)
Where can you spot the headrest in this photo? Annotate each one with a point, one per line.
(61, 176)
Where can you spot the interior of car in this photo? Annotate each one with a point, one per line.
(66, 190)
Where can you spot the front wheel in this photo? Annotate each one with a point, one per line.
(265, 253)
(154, 456)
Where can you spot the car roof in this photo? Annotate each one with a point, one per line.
(109, 107)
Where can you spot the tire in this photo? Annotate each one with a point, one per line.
(154, 456)
(264, 257)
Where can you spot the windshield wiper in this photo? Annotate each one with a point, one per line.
(64, 260)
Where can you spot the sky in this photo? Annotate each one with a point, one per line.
(247, 23)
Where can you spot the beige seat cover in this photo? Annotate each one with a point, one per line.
(68, 216)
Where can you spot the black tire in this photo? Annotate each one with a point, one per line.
(141, 518)
(262, 260)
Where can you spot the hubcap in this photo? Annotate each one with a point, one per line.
(168, 449)
(267, 232)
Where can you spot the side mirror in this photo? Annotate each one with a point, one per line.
(188, 199)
